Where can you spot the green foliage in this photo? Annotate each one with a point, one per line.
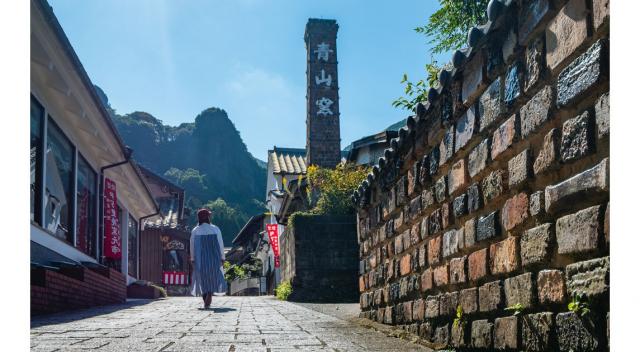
(331, 189)
(446, 31)
(160, 289)
(283, 290)
(226, 217)
(580, 305)
(253, 266)
(516, 308)
(460, 319)
(233, 272)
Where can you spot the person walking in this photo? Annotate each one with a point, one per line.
(207, 256)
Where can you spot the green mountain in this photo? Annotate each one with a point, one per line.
(206, 157)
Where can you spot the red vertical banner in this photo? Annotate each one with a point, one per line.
(112, 237)
(272, 231)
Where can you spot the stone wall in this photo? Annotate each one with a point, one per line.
(319, 256)
(496, 193)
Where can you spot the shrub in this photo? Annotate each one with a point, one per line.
(233, 272)
(283, 290)
(331, 189)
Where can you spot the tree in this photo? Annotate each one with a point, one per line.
(331, 189)
(446, 30)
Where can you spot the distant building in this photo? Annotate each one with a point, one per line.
(367, 150)
(81, 173)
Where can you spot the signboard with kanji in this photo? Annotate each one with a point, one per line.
(112, 236)
(272, 231)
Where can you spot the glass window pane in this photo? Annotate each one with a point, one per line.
(37, 112)
(86, 208)
(59, 184)
(133, 247)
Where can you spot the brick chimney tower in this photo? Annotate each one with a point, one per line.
(323, 113)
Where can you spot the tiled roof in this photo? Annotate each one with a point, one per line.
(288, 161)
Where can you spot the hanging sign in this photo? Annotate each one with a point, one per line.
(112, 236)
(272, 231)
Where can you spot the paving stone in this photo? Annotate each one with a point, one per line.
(534, 63)
(536, 203)
(493, 185)
(487, 227)
(490, 106)
(574, 335)
(586, 71)
(504, 137)
(457, 270)
(519, 168)
(600, 13)
(586, 184)
(503, 256)
(478, 264)
(435, 250)
(536, 111)
(505, 333)
(490, 296)
(472, 79)
(460, 205)
(470, 233)
(589, 277)
(536, 331)
(457, 176)
(566, 32)
(579, 232)
(551, 288)
(515, 211)
(513, 84)
(478, 158)
(446, 146)
(519, 289)
(577, 138)
(536, 245)
(481, 334)
(602, 115)
(465, 127)
(530, 17)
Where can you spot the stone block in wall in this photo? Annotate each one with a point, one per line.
(478, 158)
(504, 137)
(401, 191)
(537, 330)
(551, 287)
(474, 198)
(426, 280)
(389, 228)
(457, 177)
(519, 289)
(577, 137)
(478, 264)
(490, 107)
(469, 300)
(566, 32)
(589, 277)
(435, 221)
(505, 333)
(413, 178)
(452, 242)
(460, 205)
(579, 232)
(513, 84)
(398, 245)
(520, 168)
(447, 213)
(448, 303)
(465, 126)
(588, 183)
(446, 146)
(389, 316)
(441, 335)
(600, 13)
(574, 334)
(583, 73)
(487, 227)
(457, 270)
(493, 185)
(407, 311)
(470, 233)
(509, 45)
(530, 17)
(435, 250)
(427, 198)
(441, 275)
(602, 115)
(534, 63)
(432, 306)
(503, 256)
(606, 224)
(536, 245)
(549, 152)
(399, 313)
(458, 335)
(515, 211)
(490, 296)
(440, 189)
(418, 310)
(425, 330)
(481, 334)
(473, 79)
(536, 203)
(415, 208)
(405, 264)
(422, 256)
(406, 239)
(434, 161)
(537, 111)
(415, 234)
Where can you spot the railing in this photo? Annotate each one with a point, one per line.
(248, 287)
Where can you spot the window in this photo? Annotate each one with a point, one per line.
(59, 184)
(133, 247)
(86, 208)
(37, 121)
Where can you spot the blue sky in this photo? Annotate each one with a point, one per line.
(174, 59)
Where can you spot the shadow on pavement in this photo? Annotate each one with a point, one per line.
(72, 315)
(218, 310)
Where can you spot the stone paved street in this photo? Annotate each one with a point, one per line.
(233, 324)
